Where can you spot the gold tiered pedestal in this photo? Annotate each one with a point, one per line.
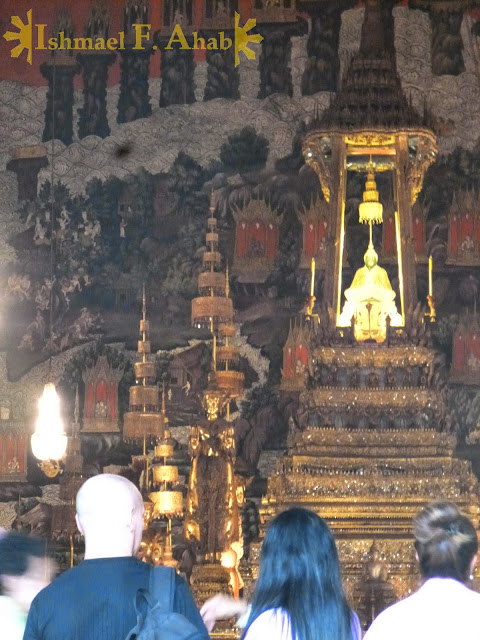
(374, 450)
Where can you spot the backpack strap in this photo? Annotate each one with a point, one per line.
(162, 587)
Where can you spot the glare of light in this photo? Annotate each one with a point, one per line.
(49, 441)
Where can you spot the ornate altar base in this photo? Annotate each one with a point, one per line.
(368, 484)
(369, 447)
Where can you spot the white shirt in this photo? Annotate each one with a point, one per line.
(12, 619)
(274, 624)
(442, 609)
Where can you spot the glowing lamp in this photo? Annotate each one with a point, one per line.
(49, 441)
(228, 559)
(371, 210)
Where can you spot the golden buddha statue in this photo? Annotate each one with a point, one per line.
(369, 300)
(373, 593)
(375, 568)
(212, 514)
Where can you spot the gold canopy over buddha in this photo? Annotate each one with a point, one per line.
(369, 300)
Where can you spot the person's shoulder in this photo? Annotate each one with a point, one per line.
(468, 600)
(391, 619)
(473, 595)
(273, 624)
(58, 584)
(62, 578)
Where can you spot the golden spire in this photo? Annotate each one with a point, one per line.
(144, 421)
(370, 210)
(211, 303)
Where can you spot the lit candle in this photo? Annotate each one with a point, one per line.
(430, 277)
(312, 280)
(214, 352)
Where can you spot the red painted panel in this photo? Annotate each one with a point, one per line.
(453, 221)
(418, 235)
(466, 231)
(241, 243)
(271, 233)
(112, 400)
(321, 236)
(90, 397)
(459, 355)
(309, 234)
(1, 454)
(473, 346)
(21, 453)
(389, 233)
(301, 354)
(256, 239)
(101, 395)
(9, 450)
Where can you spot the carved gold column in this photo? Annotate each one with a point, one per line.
(405, 229)
(337, 224)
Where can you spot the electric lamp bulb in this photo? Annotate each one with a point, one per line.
(49, 441)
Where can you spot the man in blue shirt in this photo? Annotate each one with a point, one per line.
(94, 600)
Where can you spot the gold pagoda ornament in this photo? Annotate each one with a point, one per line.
(168, 503)
(226, 357)
(212, 307)
(370, 210)
(144, 420)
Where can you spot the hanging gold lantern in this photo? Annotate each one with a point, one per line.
(370, 210)
(164, 473)
(167, 503)
(164, 450)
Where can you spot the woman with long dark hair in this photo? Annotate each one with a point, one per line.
(299, 593)
(444, 607)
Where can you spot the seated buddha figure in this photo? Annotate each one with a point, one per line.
(369, 300)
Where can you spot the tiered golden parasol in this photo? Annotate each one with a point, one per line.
(144, 420)
(167, 502)
(211, 306)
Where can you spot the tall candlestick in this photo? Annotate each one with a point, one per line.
(430, 276)
(214, 352)
(312, 279)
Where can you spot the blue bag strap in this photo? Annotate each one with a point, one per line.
(162, 587)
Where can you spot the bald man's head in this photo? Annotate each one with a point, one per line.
(110, 514)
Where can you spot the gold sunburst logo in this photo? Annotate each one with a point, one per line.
(242, 39)
(24, 35)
